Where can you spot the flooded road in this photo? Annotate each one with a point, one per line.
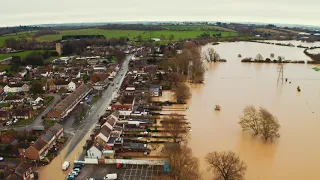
(233, 85)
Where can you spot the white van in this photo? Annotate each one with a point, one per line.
(65, 165)
(111, 176)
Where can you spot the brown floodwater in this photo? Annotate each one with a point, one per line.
(53, 170)
(233, 85)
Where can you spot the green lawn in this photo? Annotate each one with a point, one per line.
(21, 54)
(132, 34)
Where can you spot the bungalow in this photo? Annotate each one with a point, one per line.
(21, 114)
(16, 87)
(40, 148)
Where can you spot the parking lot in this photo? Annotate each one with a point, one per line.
(131, 172)
(140, 172)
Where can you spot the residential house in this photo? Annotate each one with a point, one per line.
(101, 85)
(69, 85)
(124, 105)
(23, 171)
(62, 61)
(95, 151)
(107, 131)
(13, 99)
(93, 60)
(155, 90)
(66, 105)
(8, 136)
(16, 87)
(21, 114)
(4, 115)
(47, 141)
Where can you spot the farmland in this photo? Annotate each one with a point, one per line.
(21, 54)
(18, 35)
(132, 34)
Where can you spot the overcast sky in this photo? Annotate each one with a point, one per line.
(26, 12)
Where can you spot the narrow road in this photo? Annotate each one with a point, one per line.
(98, 108)
(38, 120)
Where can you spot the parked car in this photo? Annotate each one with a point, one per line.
(113, 176)
(65, 165)
(15, 121)
(71, 177)
(9, 123)
(118, 165)
(76, 170)
(74, 173)
(77, 166)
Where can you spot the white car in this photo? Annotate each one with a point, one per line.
(74, 173)
(65, 165)
(15, 121)
(111, 176)
(9, 123)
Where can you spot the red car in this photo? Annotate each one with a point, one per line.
(118, 166)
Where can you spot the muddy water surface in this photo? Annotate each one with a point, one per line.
(233, 85)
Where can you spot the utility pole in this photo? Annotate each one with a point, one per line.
(280, 71)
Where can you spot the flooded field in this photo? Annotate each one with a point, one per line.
(296, 43)
(233, 85)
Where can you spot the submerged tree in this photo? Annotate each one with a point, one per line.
(183, 165)
(176, 127)
(260, 122)
(226, 165)
(211, 55)
(259, 57)
(250, 120)
(269, 126)
(182, 93)
(272, 55)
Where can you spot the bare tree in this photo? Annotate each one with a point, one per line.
(259, 57)
(269, 126)
(226, 165)
(210, 55)
(196, 71)
(183, 165)
(182, 93)
(281, 58)
(250, 120)
(176, 127)
(260, 122)
(272, 55)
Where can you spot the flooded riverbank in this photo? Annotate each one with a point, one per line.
(233, 85)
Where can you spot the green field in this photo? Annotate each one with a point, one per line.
(19, 35)
(132, 34)
(21, 54)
